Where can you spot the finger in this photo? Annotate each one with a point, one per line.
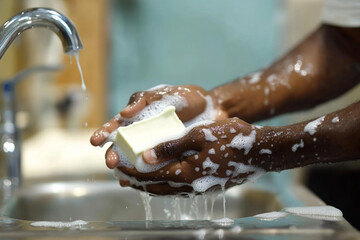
(112, 158)
(97, 138)
(124, 183)
(170, 150)
(132, 109)
(101, 135)
(164, 189)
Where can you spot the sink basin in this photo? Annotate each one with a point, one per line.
(106, 201)
(50, 210)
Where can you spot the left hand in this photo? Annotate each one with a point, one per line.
(216, 157)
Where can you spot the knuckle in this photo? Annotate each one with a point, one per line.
(167, 149)
(136, 96)
(196, 134)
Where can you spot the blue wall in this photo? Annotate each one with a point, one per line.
(204, 42)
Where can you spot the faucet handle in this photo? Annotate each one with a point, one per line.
(25, 73)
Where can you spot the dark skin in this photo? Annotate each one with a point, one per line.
(322, 67)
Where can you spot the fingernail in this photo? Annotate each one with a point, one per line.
(150, 156)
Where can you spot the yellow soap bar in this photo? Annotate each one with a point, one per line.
(140, 136)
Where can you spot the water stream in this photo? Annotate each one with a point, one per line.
(192, 207)
(83, 86)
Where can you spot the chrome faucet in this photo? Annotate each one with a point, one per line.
(40, 17)
(27, 19)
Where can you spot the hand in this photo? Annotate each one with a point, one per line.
(195, 104)
(224, 151)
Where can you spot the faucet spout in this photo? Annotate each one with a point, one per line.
(40, 17)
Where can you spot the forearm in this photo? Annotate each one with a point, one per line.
(320, 68)
(332, 138)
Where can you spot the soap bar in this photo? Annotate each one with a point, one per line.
(140, 136)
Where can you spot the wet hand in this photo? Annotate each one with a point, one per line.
(209, 157)
(194, 96)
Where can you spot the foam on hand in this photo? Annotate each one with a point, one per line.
(205, 183)
(157, 107)
(244, 142)
(312, 126)
(208, 114)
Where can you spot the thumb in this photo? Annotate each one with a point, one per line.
(169, 150)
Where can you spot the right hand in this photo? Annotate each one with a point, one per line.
(227, 165)
(194, 96)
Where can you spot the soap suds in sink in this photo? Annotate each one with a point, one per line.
(223, 221)
(270, 216)
(49, 224)
(318, 212)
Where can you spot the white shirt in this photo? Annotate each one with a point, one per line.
(342, 13)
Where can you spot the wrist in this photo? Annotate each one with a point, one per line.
(267, 147)
(281, 148)
(302, 144)
(252, 101)
(238, 99)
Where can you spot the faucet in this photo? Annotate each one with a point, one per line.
(40, 17)
(27, 19)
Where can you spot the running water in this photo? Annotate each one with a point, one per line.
(146, 198)
(192, 207)
(224, 200)
(83, 86)
(213, 198)
(209, 202)
(206, 212)
(176, 208)
(77, 58)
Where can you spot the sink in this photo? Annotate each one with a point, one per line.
(52, 209)
(106, 201)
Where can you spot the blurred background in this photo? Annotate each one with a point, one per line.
(132, 45)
